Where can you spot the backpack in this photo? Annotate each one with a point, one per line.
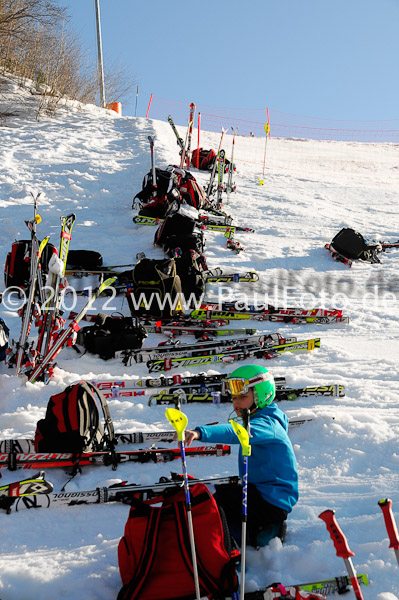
(4, 333)
(17, 265)
(174, 225)
(189, 267)
(156, 288)
(84, 259)
(190, 191)
(111, 334)
(177, 232)
(167, 193)
(206, 159)
(351, 244)
(72, 422)
(154, 554)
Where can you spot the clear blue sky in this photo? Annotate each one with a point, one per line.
(334, 59)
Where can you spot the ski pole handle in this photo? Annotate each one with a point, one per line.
(336, 534)
(386, 506)
(342, 548)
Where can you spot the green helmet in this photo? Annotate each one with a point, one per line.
(254, 376)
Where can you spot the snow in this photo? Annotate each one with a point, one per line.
(92, 162)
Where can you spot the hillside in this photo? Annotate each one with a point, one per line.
(92, 162)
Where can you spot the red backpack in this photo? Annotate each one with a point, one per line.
(73, 421)
(155, 557)
(205, 160)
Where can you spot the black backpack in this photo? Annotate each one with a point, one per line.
(73, 422)
(167, 193)
(190, 268)
(351, 244)
(176, 224)
(109, 335)
(17, 265)
(155, 289)
(84, 259)
(177, 232)
(4, 333)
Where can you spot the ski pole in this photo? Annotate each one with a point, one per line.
(342, 548)
(243, 435)
(386, 506)
(179, 420)
(154, 174)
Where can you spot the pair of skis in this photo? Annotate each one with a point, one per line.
(173, 348)
(203, 221)
(27, 445)
(36, 492)
(182, 396)
(232, 355)
(294, 316)
(22, 350)
(50, 320)
(184, 145)
(44, 460)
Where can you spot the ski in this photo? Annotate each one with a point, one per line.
(190, 133)
(29, 308)
(269, 309)
(175, 349)
(27, 445)
(220, 277)
(118, 492)
(221, 158)
(153, 170)
(386, 245)
(209, 190)
(187, 141)
(229, 356)
(210, 314)
(64, 335)
(337, 256)
(203, 222)
(182, 396)
(225, 228)
(50, 319)
(230, 187)
(167, 381)
(200, 332)
(26, 487)
(326, 587)
(45, 460)
(179, 140)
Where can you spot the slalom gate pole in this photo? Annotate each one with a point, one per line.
(198, 139)
(243, 435)
(342, 548)
(386, 506)
(179, 420)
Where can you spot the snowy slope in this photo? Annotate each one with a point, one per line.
(92, 162)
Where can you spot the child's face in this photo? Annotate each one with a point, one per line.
(243, 401)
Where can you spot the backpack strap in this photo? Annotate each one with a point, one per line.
(109, 433)
(206, 581)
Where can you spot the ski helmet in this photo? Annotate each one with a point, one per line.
(254, 376)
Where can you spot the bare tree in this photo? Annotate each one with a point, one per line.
(36, 44)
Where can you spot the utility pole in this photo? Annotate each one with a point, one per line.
(100, 56)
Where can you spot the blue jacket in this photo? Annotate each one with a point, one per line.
(272, 465)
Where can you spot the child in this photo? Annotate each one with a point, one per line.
(272, 470)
